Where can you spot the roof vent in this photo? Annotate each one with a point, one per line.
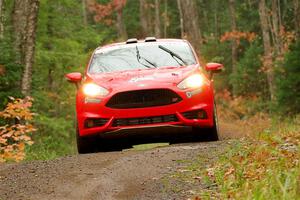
(150, 39)
(131, 40)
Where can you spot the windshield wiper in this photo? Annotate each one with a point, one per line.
(139, 57)
(173, 54)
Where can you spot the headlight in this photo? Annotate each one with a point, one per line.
(93, 90)
(192, 82)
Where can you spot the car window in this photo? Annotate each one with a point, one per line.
(140, 56)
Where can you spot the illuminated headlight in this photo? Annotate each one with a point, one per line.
(93, 90)
(192, 82)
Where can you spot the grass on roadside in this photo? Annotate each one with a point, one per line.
(143, 147)
(263, 166)
(55, 138)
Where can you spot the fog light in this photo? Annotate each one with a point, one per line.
(89, 123)
(195, 114)
(202, 114)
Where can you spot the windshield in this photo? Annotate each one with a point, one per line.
(141, 56)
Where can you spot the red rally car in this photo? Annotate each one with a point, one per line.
(140, 84)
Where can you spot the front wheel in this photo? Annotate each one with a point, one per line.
(95, 144)
(208, 134)
(85, 144)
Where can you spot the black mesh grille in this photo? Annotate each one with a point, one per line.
(144, 120)
(143, 98)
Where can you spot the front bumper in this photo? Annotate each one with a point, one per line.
(200, 102)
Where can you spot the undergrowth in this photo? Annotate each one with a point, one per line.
(262, 163)
(263, 167)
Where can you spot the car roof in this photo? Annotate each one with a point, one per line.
(140, 41)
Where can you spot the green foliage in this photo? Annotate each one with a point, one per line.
(215, 51)
(214, 17)
(132, 20)
(173, 28)
(266, 167)
(289, 82)
(249, 79)
(63, 45)
(55, 138)
(10, 73)
(247, 16)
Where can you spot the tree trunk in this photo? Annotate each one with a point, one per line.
(84, 14)
(143, 18)
(166, 19)
(1, 19)
(297, 17)
(181, 18)
(205, 17)
(216, 20)
(157, 19)
(190, 21)
(276, 27)
(279, 13)
(32, 17)
(50, 80)
(19, 22)
(121, 26)
(234, 45)
(267, 62)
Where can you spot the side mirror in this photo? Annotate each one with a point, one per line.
(213, 68)
(74, 77)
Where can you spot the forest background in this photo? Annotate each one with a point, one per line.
(42, 40)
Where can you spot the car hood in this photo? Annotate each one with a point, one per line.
(143, 77)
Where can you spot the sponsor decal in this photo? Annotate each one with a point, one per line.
(137, 79)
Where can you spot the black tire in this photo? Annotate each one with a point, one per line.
(85, 144)
(208, 134)
(94, 144)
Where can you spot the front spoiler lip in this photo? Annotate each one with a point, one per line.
(108, 128)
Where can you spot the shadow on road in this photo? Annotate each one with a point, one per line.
(146, 139)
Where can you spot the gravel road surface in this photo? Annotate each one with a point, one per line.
(127, 174)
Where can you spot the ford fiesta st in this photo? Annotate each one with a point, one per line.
(142, 84)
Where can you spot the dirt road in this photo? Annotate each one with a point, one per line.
(128, 174)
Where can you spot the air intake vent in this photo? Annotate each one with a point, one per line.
(150, 39)
(144, 120)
